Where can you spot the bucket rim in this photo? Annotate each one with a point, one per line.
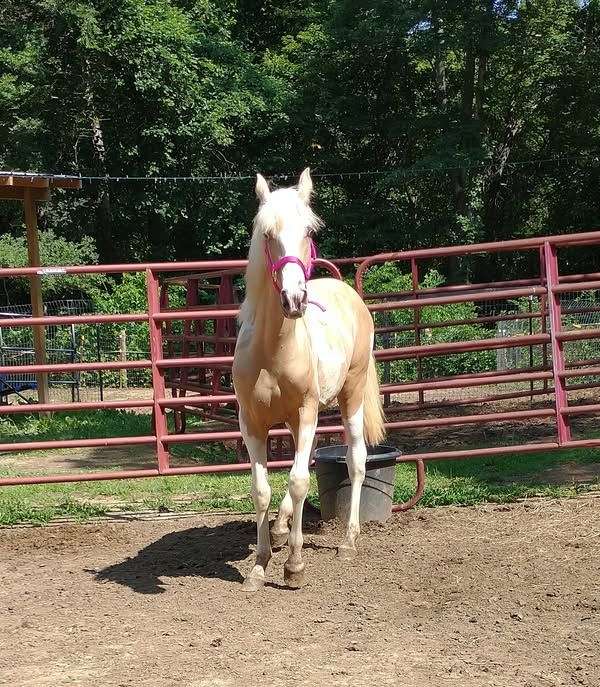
(386, 453)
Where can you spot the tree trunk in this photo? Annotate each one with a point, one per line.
(468, 82)
(482, 63)
(492, 181)
(483, 51)
(104, 234)
(468, 89)
(440, 62)
(106, 245)
(455, 268)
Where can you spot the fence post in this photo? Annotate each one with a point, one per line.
(531, 383)
(37, 302)
(544, 313)
(123, 358)
(558, 357)
(75, 392)
(387, 365)
(414, 270)
(158, 379)
(99, 356)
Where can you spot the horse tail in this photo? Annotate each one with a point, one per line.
(374, 418)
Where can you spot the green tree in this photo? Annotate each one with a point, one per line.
(449, 101)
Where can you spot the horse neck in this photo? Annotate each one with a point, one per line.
(262, 304)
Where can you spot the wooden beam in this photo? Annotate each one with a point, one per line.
(65, 182)
(12, 184)
(31, 182)
(37, 302)
(17, 193)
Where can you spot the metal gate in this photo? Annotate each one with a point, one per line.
(550, 378)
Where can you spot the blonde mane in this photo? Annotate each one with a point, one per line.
(283, 204)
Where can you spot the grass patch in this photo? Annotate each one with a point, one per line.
(478, 480)
(40, 503)
(502, 479)
(75, 425)
(102, 424)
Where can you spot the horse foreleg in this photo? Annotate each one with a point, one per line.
(298, 489)
(280, 529)
(356, 458)
(261, 496)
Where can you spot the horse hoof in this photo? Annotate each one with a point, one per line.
(253, 583)
(279, 539)
(346, 553)
(294, 575)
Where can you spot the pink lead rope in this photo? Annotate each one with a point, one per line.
(274, 267)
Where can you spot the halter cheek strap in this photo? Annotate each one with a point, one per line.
(307, 270)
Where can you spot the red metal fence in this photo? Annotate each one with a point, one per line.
(547, 380)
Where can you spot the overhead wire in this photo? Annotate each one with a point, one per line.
(284, 176)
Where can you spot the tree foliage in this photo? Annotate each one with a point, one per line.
(54, 250)
(388, 278)
(450, 100)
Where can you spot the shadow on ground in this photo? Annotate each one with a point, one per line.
(209, 551)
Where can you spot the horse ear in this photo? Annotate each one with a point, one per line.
(305, 185)
(262, 188)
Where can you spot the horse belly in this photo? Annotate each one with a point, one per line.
(331, 380)
(332, 364)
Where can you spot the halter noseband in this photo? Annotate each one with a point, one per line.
(307, 269)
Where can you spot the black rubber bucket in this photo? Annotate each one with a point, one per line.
(334, 486)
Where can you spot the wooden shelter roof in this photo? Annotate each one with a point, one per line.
(14, 185)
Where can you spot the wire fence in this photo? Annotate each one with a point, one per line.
(70, 344)
(579, 311)
(129, 342)
(490, 319)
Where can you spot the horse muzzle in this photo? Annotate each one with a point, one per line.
(294, 304)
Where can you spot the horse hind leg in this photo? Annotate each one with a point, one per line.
(356, 458)
(280, 529)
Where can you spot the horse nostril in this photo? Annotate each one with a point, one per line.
(286, 301)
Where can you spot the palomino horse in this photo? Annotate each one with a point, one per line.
(301, 346)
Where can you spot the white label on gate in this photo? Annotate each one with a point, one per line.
(52, 270)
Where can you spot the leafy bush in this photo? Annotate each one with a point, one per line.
(579, 349)
(389, 278)
(128, 295)
(54, 250)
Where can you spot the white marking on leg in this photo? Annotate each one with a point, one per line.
(261, 496)
(281, 525)
(356, 458)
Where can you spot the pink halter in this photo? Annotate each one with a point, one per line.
(307, 269)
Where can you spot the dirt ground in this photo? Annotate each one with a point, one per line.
(503, 596)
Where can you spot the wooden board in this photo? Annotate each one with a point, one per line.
(18, 193)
